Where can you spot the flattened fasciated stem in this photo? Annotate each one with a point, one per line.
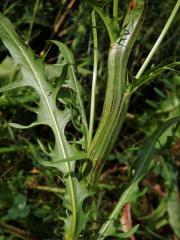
(117, 93)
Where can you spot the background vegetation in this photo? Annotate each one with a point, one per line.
(28, 209)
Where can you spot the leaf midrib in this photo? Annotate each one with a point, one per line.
(39, 82)
(55, 124)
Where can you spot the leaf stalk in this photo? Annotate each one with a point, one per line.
(115, 8)
(159, 40)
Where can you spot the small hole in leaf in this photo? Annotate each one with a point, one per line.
(86, 205)
(23, 116)
(63, 98)
(45, 134)
(88, 168)
(73, 134)
(26, 100)
(60, 105)
(83, 168)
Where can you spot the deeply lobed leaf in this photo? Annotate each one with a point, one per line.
(64, 154)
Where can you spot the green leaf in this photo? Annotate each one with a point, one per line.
(53, 70)
(172, 199)
(142, 166)
(2, 238)
(81, 195)
(128, 233)
(152, 74)
(19, 126)
(157, 214)
(6, 195)
(73, 82)
(33, 75)
(12, 85)
(173, 207)
(106, 19)
(6, 68)
(20, 209)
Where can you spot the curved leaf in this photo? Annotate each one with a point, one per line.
(142, 167)
(151, 74)
(173, 206)
(106, 19)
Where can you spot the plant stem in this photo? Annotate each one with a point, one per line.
(159, 40)
(94, 80)
(48, 189)
(7, 101)
(74, 209)
(32, 21)
(117, 94)
(12, 149)
(115, 8)
(21, 234)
